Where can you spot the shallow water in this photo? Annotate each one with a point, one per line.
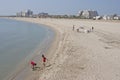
(18, 40)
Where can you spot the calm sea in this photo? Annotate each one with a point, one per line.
(18, 40)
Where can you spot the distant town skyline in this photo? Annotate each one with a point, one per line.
(70, 7)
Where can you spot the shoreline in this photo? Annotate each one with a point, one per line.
(41, 48)
(77, 55)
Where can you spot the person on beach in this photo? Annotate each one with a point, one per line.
(92, 28)
(33, 64)
(73, 27)
(77, 30)
(44, 60)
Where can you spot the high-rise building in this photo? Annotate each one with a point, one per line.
(27, 13)
(88, 14)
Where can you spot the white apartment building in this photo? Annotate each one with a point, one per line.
(88, 14)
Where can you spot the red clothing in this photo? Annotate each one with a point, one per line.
(44, 59)
(33, 63)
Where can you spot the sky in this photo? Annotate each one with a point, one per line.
(70, 7)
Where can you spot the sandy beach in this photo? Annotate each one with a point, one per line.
(80, 55)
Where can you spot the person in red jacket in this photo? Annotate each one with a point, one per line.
(44, 59)
(33, 65)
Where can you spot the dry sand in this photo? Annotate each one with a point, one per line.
(81, 56)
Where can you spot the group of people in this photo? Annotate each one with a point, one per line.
(33, 64)
(92, 28)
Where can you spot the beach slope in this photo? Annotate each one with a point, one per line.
(81, 55)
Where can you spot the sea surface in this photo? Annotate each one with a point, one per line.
(18, 40)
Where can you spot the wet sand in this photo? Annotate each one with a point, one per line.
(78, 55)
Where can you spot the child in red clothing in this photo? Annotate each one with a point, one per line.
(43, 59)
(33, 64)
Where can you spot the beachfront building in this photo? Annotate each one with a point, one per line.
(111, 17)
(59, 16)
(43, 15)
(117, 18)
(97, 18)
(88, 14)
(27, 13)
(21, 14)
(108, 17)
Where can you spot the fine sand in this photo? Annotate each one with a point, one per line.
(78, 55)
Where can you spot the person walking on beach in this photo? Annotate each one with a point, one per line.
(33, 64)
(44, 60)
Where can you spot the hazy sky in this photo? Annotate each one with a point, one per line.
(59, 6)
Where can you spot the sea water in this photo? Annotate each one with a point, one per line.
(17, 41)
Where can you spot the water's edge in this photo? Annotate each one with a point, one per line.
(36, 55)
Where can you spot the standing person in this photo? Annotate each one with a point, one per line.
(73, 27)
(92, 28)
(33, 64)
(44, 59)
